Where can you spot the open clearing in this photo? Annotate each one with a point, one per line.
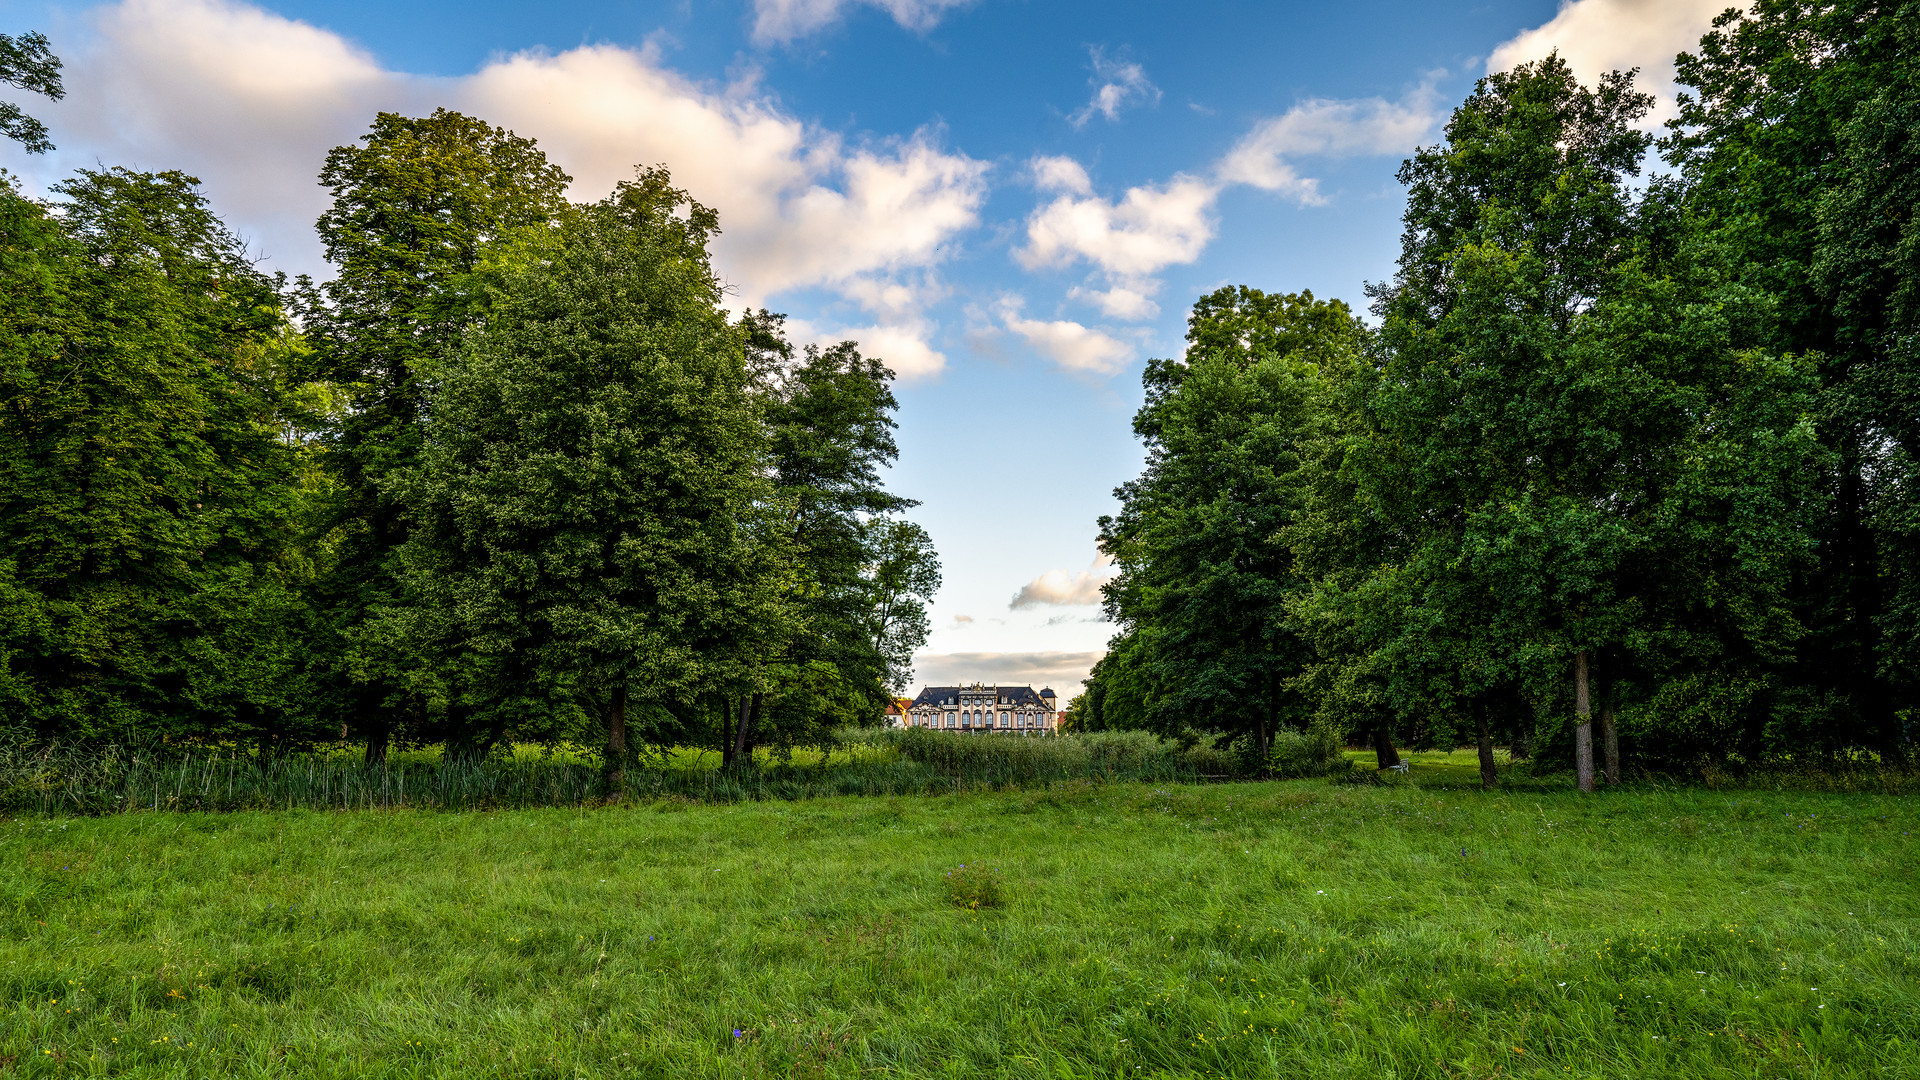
(1275, 929)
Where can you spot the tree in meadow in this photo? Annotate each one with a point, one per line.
(1205, 570)
(417, 205)
(149, 494)
(1800, 146)
(592, 495)
(1575, 429)
(863, 574)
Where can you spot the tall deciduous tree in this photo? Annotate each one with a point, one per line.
(592, 494)
(1206, 573)
(1799, 147)
(147, 498)
(1572, 427)
(417, 204)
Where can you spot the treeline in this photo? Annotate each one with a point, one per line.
(513, 473)
(1626, 446)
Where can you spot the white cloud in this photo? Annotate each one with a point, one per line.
(1598, 36)
(785, 20)
(599, 110)
(1069, 344)
(1061, 174)
(1059, 588)
(1117, 84)
(1324, 127)
(251, 101)
(1148, 229)
(1132, 301)
(1128, 240)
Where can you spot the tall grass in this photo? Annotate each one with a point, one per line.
(108, 780)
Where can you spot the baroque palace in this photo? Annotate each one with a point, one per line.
(979, 709)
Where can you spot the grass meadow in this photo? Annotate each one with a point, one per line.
(1080, 929)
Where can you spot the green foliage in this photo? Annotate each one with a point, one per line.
(589, 513)
(1242, 930)
(1205, 570)
(148, 488)
(27, 63)
(1317, 751)
(421, 207)
(1797, 145)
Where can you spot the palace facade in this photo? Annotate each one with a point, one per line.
(981, 709)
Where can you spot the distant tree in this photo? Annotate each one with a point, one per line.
(28, 63)
(418, 204)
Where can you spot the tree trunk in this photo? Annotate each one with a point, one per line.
(1385, 756)
(616, 766)
(1609, 739)
(742, 735)
(1583, 724)
(1489, 777)
(753, 725)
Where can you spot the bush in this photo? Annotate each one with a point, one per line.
(1314, 752)
(973, 886)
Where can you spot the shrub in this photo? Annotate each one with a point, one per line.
(973, 886)
(1313, 752)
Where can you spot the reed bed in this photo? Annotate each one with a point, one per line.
(110, 780)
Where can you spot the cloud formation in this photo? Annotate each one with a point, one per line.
(251, 101)
(1323, 127)
(1598, 36)
(1077, 348)
(1058, 588)
(1127, 240)
(785, 20)
(1117, 84)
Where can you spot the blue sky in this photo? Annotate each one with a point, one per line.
(1013, 202)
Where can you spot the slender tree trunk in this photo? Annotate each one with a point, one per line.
(742, 747)
(1489, 777)
(1609, 738)
(753, 725)
(616, 766)
(1583, 724)
(1385, 756)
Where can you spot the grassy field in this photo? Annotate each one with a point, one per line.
(1123, 930)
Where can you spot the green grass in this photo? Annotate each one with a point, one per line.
(1121, 930)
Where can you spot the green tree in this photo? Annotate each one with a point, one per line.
(1574, 429)
(592, 498)
(1206, 573)
(417, 206)
(864, 574)
(27, 63)
(148, 496)
(1798, 147)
